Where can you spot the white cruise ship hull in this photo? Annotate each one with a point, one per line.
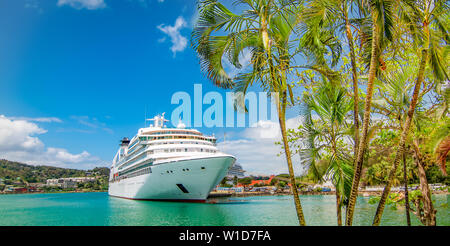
(189, 179)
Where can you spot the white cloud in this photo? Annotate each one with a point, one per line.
(83, 4)
(19, 135)
(91, 123)
(179, 42)
(64, 156)
(256, 151)
(19, 142)
(33, 4)
(38, 119)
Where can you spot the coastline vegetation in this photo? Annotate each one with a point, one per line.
(369, 79)
(15, 176)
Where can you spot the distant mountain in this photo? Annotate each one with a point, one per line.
(15, 171)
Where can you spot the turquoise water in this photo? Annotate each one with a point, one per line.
(98, 209)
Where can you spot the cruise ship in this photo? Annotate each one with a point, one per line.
(161, 163)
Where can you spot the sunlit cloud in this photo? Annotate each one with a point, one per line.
(256, 151)
(179, 42)
(38, 119)
(83, 4)
(91, 123)
(19, 141)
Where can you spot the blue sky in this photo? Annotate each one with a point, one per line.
(78, 75)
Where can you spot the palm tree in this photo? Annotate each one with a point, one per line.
(380, 15)
(265, 30)
(334, 15)
(425, 19)
(327, 134)
(394, 87)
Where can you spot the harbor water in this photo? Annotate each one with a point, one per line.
(98, 209)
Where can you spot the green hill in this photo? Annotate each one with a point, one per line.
(11, 171)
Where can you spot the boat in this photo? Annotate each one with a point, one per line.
(173, 164)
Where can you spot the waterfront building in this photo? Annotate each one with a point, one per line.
(262, 181)
(69, 182)
(229, 189)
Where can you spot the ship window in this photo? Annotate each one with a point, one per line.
(203, 167)
(185, 150)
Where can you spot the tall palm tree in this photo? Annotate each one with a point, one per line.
(380, 15)
(327, 133)
(394, 87)
(265, 30)
(334, 15)
(426, 20)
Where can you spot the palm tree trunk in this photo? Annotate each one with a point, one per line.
(281, 106)
(428, 215)
(348, 31)
(405, 180)
(282, 121)
(363, 140)
(338, 207)
(404, 135)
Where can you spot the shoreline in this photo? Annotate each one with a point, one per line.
(56, 192)
(247, 194)
(240, 194)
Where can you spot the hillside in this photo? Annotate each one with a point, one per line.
(11, 171)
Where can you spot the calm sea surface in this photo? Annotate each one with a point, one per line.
(98, 209)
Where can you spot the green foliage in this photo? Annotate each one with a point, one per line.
(394, 46)
(245, 181)
(281, 184)
(393, 200)
(19, 173)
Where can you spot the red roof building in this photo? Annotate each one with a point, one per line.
(259, 182)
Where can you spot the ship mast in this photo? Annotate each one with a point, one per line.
(159, 120)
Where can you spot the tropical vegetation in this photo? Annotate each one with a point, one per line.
(17, 174)
(368, 78)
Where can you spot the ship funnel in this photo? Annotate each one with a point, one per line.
(124, 142)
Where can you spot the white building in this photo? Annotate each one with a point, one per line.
(69, 182)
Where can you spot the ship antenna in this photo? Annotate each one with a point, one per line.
(145, 116)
